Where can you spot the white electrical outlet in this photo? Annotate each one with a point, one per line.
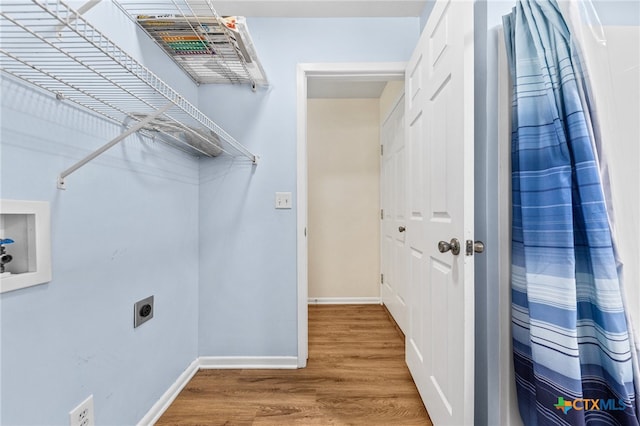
(82, 415)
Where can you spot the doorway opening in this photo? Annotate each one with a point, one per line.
(342, 79)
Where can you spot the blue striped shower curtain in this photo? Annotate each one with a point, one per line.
(571, 346)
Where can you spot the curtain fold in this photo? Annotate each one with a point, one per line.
(572, 352)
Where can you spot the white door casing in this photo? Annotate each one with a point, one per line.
(372, 71)
(393, 184)
(439, 128)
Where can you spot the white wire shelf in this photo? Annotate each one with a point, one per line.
(210, 48)
(46, 43)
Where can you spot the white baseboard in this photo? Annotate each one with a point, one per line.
(345, 301)
(249, 362)
(167, 398)
(214, 362)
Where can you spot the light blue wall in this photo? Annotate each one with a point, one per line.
(618, 12)
(125, 228)
(248, 249)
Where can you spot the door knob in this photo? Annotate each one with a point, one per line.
(454, 246)
(478, 246)
(401, 229)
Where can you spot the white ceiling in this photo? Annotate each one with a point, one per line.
(320, 8)
(336, 89)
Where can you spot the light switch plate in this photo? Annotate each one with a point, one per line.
(283, 200)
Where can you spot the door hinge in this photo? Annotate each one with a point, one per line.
(381, 278)
(381, 149)
(381, 213)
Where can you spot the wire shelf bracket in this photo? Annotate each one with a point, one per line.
(112, 143)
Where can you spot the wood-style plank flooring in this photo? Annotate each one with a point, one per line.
(356, 375)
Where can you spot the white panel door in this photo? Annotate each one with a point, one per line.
(393, 181)
(439, 98)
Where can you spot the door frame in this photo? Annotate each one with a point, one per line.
(357, 71)
(508, 407)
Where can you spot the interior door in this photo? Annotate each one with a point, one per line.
(393, 185)
(439, 117)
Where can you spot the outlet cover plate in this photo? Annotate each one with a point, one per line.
(142, 311)
(82, 415)
(283, 200)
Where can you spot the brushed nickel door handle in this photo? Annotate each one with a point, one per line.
(453, 246)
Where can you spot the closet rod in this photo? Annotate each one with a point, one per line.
(96, 153)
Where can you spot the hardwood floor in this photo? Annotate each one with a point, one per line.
(356, 375)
